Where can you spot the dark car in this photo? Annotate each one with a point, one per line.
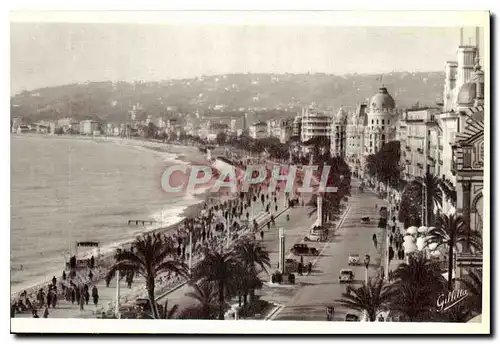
(351, 317)
(303, 249)
(365, 220)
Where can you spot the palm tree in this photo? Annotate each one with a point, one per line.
(370, 298)
(451, 231)
(163, 312)
(220, 268)
(434, 195)
(473, 283)
(416, 287)
(205, 293)
(150, 258)
(252, 255)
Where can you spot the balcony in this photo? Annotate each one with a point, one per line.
(408, 162)
(408, 148)
(420, 150)
(440, 147)
(420, 165)
(440, 161)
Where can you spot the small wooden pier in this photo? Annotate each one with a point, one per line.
(141, 222)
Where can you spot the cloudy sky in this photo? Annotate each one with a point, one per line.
(48, 54)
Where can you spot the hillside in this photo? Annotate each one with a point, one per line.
(232, 93)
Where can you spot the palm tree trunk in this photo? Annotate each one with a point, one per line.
(151, 295)
(450, 267)
(221, 300)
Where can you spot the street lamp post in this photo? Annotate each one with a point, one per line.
(117, 307)
(367, 264)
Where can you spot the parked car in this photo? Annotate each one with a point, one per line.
(354, 259)
(351, 317)
(303, 249)
(145, 305)
(346, 276)
(365, 220)
(317, 234)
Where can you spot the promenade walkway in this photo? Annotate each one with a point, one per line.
(295, 229)
(107, 295)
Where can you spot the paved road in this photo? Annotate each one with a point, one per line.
(295, 230)
(322, 287)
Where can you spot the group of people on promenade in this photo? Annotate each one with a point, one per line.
(49, 297)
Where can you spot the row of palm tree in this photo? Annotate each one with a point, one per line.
(412, 294)
(219, 275)
(231, 273)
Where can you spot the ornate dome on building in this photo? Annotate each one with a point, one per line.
(382, 100)
(468, 93)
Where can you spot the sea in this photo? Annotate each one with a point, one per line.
(65, 190)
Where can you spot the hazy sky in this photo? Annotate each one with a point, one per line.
(51, 54)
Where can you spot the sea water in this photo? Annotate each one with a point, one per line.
(65, 190)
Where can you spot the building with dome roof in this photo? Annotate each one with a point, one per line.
(382, 117)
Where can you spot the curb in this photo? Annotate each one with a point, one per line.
(275, 311)
(171, 290)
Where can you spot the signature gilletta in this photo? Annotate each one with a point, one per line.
(250, 169)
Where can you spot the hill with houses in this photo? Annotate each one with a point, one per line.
(222, 95)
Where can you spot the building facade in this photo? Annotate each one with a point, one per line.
(258, 130)
(338, 136)
(382, 120)
(315, 124)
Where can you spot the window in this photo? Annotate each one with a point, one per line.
(388, 121)
(372, 121)
(377, 121)
(383, 121)
(467, 158)
(383, 128)
(371, 143)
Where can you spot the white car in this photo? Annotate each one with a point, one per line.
(317, 235)
(354, 259)
(346, 276)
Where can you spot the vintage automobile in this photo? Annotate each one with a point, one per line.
(303, 249)
(365, 220)
(351, 317)
(346, 276)
(353, 259)
(317, 234)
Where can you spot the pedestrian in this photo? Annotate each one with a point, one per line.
(309, 268)
(35, 313)
(95, 295)
(87, 297)
(276, 207)
(46, 312)
(54, 280)
(299, 269)
(91, 275)
(269, 225)
(73, 296)
(82, 301)
(262, 235)
(54, 300)
(49, 298)
(288, 217)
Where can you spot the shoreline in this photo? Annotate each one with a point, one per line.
(157, 148)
